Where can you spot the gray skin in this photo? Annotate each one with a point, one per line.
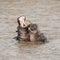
(35, 34)
(29, 33)
(23, 34)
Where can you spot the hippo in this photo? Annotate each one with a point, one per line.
(35, 34)
(22, 29)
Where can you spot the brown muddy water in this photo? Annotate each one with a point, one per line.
(45, 13)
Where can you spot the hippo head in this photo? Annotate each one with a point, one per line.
(33, 27)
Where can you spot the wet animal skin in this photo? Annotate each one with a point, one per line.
(35, 34)
(22, 32)
(29, 33)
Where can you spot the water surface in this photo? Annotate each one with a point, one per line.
(45, 13)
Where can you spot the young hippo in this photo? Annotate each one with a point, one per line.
(35, 34)
(22, 29)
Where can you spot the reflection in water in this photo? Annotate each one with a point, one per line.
(29, 44)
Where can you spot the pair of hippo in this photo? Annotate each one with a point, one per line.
(28, 32)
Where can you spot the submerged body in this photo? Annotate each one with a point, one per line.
(35, 34)
(30, 33)
(23, 34)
